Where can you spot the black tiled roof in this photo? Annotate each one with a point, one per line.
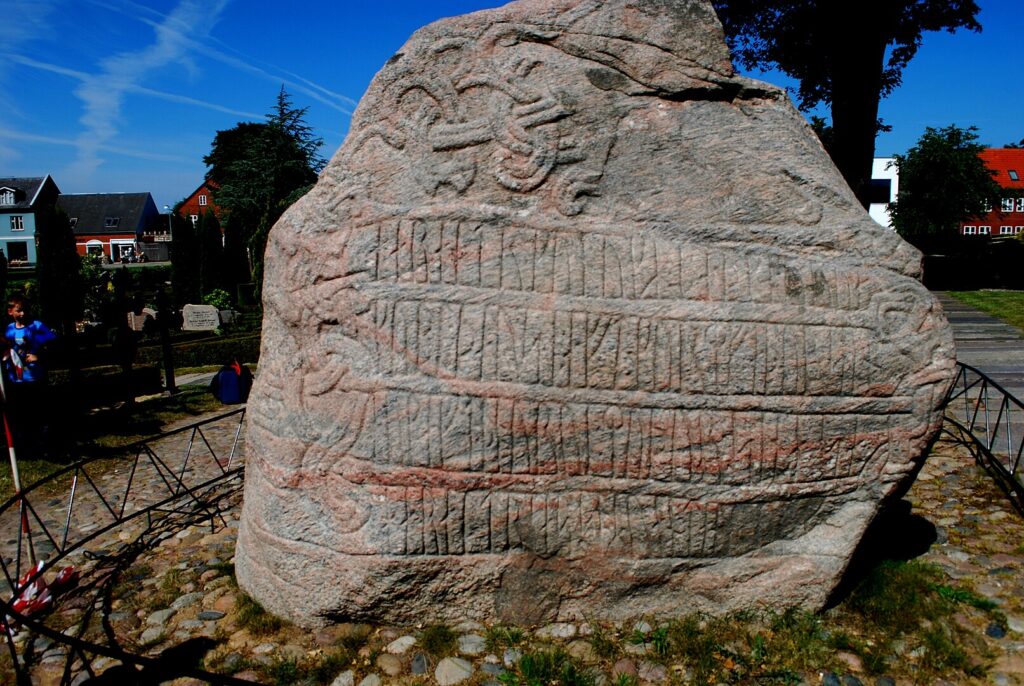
(25, 190)
(91, 210)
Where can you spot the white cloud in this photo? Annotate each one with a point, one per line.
(15, 135)
(140, 90)
(103, 93)
(235, 59)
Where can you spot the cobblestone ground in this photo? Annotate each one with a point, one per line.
(181, 593)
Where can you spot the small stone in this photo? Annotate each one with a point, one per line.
(210, 615)
(218, 582)
(472, 644)
(151, 635)
(557, 630)
(401, 645)
(494, 670)
(232, 661)
(582, 650)
(1015, 624)
(389, 664)
(370, 680)
(209, 575)
(160, 617)
(419, 664)
(852, 661)
(995, 630)
(651, 671)
(1001, 680)
(469, 627)
(264, 649)
(511, 657)
(347, 678)
(452, 670)
(635, 648)
(642, 627)
(830, 679)
(225, 604)
(627, 667)
(851, 680)
(190, 624)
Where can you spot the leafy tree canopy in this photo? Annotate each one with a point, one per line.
(260, 169)
(943, 182)
(847, 55)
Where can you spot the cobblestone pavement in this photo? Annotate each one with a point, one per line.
(959, 518)
(111, 490)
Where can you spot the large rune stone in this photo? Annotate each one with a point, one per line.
(578, 322)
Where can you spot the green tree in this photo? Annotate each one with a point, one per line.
(58, 271)
(185, 254)
(848, 55)
(261, 169)
(943, 182)
(292, 120)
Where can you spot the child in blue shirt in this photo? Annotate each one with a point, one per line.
(25, 376)
(26, 339)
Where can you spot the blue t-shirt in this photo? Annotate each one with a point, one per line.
(28, 340)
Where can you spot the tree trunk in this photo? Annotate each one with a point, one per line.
(857, 61)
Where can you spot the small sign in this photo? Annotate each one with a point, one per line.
(199, 318)
(162, 238)
(138, 321)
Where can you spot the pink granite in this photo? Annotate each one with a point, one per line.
(577, 322)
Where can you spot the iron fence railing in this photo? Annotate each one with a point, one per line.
(98, 515)
(989, 420)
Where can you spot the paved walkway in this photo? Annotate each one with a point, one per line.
(987, 344)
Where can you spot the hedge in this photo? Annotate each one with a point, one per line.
(210, 351)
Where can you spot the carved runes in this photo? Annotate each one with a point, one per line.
(578, 323)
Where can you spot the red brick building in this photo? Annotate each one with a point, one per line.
(199, 202)
(1005, 218)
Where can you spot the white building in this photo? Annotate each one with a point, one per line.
(885, 186)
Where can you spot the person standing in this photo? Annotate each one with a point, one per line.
(25, 375)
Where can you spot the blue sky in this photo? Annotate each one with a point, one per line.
(123, 95)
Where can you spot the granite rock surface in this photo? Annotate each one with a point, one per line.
(578, 322)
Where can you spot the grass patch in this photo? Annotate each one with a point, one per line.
(547, 668)
(605, 642)
(438, 640)
(1005, 305)
(253, 618)
(168, 589)
(500, 637)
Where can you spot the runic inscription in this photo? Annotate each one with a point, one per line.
(578, 323)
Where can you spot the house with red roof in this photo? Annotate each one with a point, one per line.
(1005, 218)
(199, 202)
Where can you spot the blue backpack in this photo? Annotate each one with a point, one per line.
(231, 384)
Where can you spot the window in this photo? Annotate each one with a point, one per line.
(1020, 204)
(1018, 229)
(1007, 205)
(970, 230)
(17, 222)
(202, 200)
(984, 230)
(194, 218)
(73, 221)
(17, 251)
(1013, 175)
(987, 207)
(1005, 230)
(94, 248)
(6, 197)
(111, 222)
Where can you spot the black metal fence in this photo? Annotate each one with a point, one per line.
(97, 516)
(989, 420)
